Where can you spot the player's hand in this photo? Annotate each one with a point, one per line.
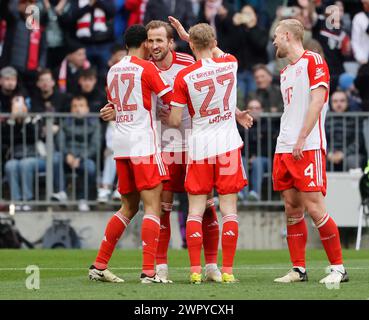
(107, 113)
(298, 148)
(164, 114)
(183, 34)
(244, 119)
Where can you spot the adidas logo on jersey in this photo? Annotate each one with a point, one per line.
(162, 227)
(195, 235)
(104, 239)
(312, 184)
(229, 233)
(144, 243)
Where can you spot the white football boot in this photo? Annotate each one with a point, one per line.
(103, 275)
(294, 275)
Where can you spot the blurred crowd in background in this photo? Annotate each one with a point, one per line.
(56, 61)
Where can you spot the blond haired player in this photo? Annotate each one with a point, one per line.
(208, 90)
(299, 161)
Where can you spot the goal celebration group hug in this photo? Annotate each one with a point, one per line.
(156, 96)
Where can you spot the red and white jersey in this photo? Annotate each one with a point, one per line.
(297, 80)
(174, 139)
(209, 90)
(133, 87)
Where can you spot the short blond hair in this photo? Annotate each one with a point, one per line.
(294, 26)
(202, 36)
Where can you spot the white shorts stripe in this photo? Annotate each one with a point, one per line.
(316, 168)
(159, 167)
(320, 167)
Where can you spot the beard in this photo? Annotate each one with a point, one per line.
(159, 56)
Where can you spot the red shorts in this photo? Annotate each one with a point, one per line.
(140, 173)
(225, 172)
(307, 174)
(177, 163)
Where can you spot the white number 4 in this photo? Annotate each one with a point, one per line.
(309, 171)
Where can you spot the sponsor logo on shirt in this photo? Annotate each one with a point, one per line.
(319, 73)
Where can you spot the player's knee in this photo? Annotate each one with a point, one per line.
(293, 209)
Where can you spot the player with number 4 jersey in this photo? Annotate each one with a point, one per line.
(299, 161)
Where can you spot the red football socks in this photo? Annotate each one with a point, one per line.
(164, 238)
(296, 240)
(114, 230)
(150, 231)
(330, 237)
(194, 241)
(210, 230)
(229, 242)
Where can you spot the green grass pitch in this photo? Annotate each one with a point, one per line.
(63, 275)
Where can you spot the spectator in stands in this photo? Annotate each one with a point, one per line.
(91, 22)
(25, 44)
(261, 142)
(80, 142)
(251, 43)
(46, 97)
(219, 14)
(268, 93)
(68, 72)
(9, 88)
(361, 83)
(308, 13)
(136, 11)
(344, 150)
(55, 37)
(360, 34)
(345, 19)
(109, 171)
(335, 43)
(120, 20)
(346, 84)
(182, 10)
(26, 157)
(87, 82)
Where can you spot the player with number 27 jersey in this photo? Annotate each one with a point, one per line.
(208, 90)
